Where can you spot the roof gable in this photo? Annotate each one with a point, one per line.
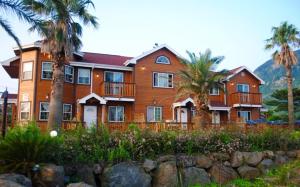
(135, 59)
(236, 71)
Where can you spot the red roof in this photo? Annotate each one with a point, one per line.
(10, 96)
(99, 58)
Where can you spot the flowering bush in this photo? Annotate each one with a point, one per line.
(95, 145)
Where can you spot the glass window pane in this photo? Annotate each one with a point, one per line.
(150, 114)
(112, 113)
(118, 77)
(27, 66)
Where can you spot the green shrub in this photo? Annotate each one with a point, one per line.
(23, 147)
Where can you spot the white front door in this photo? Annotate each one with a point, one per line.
(216, 117)
(182, 115)
(90, 115)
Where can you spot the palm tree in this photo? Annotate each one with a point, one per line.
(20, 10)
(61, 37)
(284, 39)
(198, 78)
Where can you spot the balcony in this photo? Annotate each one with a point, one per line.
(246, 99)
(117, 89)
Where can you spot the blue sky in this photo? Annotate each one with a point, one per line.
(233, 28)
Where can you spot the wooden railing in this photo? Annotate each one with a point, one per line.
(118, 89)
(246, 98)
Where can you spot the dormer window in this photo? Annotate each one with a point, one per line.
(162, 60)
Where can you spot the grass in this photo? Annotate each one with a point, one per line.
(282, 176)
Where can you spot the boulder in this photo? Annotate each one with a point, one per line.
(295, 177)
(268, 154)
(166, 158)
(185, 161)
(149, 165)
(226, 163)
(52, 175)
(98, 168)
(79, 184)
(248, 172)
(125, 174)
(7, 183)
(203, 162)
(291, 154)
(17, 178)
(298, 153)
(220, 156)
(253, 158)
(281, 153)
(222, 174)
(266, 165)
(85, 173)
(192, 176)
(166, 175)
(279, 159)
(237, 159)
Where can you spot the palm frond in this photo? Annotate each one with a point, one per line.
(5, 25)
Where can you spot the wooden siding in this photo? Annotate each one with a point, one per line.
(39, 90)
(146, 94)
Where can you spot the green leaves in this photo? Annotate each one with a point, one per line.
(199, 77)
(22, 148)
(59, 27)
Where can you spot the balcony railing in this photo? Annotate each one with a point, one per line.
(118, 89)
(246, 98)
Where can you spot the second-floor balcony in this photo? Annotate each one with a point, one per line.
(246, 98)
(117, 89)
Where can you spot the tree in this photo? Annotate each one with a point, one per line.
(278, 103)
(19, 9)
(61, 31)
(284, 39)
(198, 78)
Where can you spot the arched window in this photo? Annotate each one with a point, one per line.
(162, 60)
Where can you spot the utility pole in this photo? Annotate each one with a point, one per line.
(4, 116)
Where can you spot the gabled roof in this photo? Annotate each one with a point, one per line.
(135, 59)
(8, 61)
(235, 71)
(92, 95)
(183, 102)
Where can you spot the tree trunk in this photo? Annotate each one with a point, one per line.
(290, 97)
(56, 99)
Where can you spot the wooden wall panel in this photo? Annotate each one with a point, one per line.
(146, 94)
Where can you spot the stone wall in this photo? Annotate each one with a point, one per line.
(168, 170)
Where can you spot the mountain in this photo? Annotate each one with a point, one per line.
(274, 76)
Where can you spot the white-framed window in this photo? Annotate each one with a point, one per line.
(69, 74)
(47, 70)
(67, 112)
(27, 70)
(154, 114)
(116, 113)
(242, 87)
(162, 80)
(112, 76)
(246, 115)
(44, 110)
(24, 110)
(214, 91)
(84, 76)
(162, 60)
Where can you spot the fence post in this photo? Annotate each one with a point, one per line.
(4, 116)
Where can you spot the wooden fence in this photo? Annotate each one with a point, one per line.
(158, 127)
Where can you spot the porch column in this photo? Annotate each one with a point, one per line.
(103, 113)
(228, 113)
